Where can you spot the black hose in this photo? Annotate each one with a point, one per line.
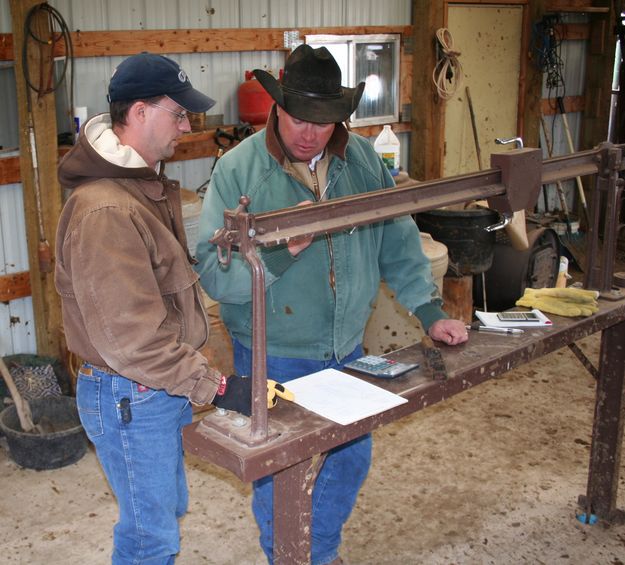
(47, 82)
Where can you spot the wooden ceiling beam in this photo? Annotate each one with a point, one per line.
(171, 41)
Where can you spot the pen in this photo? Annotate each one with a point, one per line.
(495, 330)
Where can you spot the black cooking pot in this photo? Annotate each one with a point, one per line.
(470, 246)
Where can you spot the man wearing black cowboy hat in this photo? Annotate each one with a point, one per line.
(319, 291)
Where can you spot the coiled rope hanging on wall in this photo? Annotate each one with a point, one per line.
(447, 74)
(44, 48)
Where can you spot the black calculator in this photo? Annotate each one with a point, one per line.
(380, 367)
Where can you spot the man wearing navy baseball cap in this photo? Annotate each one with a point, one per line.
(131, 303)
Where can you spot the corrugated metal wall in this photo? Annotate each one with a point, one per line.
(217, 74)
(17, 327)
(8, 105)
(573, 57)
(16, 317)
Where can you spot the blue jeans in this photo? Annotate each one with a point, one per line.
(340, 479)
(137, 433)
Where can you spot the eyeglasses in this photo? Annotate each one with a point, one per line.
(180, 116)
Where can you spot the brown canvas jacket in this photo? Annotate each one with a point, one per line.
(130, 297)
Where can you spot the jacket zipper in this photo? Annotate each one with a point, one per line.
(332, 278)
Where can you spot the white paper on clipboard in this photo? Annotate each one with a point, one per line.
(491, 319)
(340, 397)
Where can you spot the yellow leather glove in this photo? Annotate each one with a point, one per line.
(275, 390)
(570, 294)
(561, 301)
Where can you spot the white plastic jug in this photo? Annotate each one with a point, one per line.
(387, 146)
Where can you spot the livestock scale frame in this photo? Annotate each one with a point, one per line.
(288, 443)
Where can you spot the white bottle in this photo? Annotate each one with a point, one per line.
(387, 146)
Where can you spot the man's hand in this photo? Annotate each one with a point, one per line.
(275, 390)
(297, 245)
(451, 332)
(235, 393)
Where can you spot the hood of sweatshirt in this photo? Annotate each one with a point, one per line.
(98, 154)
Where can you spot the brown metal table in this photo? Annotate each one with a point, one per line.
(287, 441)
(297, 436)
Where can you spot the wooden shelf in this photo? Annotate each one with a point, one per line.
(169, 41)
(198, 145)
(194, 145)
(16, 285)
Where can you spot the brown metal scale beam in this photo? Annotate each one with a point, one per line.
(513, 183)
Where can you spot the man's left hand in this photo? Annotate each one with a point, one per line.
(451, 332)
(297, 245)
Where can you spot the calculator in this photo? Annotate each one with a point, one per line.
(517, 317)
(380, 367)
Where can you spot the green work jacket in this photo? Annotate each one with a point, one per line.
(308, 317)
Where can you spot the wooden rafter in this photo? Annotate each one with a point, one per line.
(124, 42)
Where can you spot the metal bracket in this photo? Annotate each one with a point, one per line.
(521, 175)
(234, 426)
(505, 220)
(584, 360)
(517, 140)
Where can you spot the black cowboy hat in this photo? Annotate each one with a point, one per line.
(310, 88)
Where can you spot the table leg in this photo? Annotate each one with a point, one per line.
(607, 433)
(292, 513)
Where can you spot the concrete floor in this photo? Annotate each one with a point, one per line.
(489, 476)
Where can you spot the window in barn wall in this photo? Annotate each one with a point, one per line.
(373, 59)
(9, 133)
(62, 96)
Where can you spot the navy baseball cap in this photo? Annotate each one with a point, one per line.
(147, 75)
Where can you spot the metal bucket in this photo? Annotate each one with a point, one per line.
(469, 245)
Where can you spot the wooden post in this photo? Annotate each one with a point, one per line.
(530, 79)
(42, 212)
(428, 111)
(458, 297)
(599, 74)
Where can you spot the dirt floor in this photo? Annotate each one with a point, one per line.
(490, 476)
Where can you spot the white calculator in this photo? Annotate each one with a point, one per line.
(380, 367)
(518, 317)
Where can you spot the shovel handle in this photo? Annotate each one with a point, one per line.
(21, 405)
(567, 130)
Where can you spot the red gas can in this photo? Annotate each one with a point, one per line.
(254, 101)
